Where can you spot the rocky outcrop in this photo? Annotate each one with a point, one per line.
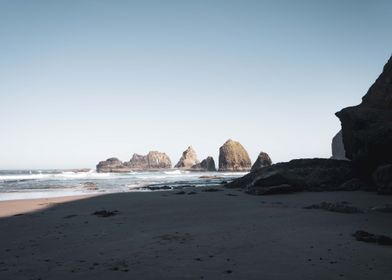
(112, 165)
(383, 179)
(153, 160)
(188, 159)
(233, 157)
(367, 128)
(338, 151)
(297, 175)
(207, 164)
(263, 160)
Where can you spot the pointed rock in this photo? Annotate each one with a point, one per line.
(263, 160)
(188, 159)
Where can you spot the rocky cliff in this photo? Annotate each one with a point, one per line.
(367, 127)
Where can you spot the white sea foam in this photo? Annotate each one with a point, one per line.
(15, 177)
(63, 175)
(19, 184)
(176, 172)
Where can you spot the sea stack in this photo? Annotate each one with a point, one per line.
(263, 160)
(207, 164)
(111, 165)
(188, 159)
(153, 160)
(367, 127)
(338, 151)
(233, 157)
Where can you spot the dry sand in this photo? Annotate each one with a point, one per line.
(18, 207)
(208, 235)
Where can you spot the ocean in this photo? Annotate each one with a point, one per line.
(26, 184)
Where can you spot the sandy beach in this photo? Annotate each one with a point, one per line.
(22, 206)
(208, 235)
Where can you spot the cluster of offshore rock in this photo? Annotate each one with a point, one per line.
(154, 160)
(361, 152)
(232, 157)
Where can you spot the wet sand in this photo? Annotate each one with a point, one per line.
(207, 235)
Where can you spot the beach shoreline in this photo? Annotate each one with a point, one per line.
(193, 234)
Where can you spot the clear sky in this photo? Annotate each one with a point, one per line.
(85, 80)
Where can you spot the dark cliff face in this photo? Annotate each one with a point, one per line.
(367, 127)
(380, 93)
(367, 139)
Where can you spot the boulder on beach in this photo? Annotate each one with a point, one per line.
(233, 157)
(188, 159)
(153, 160)
(207, 164)
(263, 160)
(338, 151)
(297, 175)
(111, 165)
(383, 179)
(367, 127)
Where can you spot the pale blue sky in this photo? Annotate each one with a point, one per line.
(82, 81)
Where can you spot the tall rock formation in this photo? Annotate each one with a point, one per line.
(233, 157)
(207, 164)
(188, 159)
(153, 160)
(367, 127)
(338, 151)
(263, 160)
